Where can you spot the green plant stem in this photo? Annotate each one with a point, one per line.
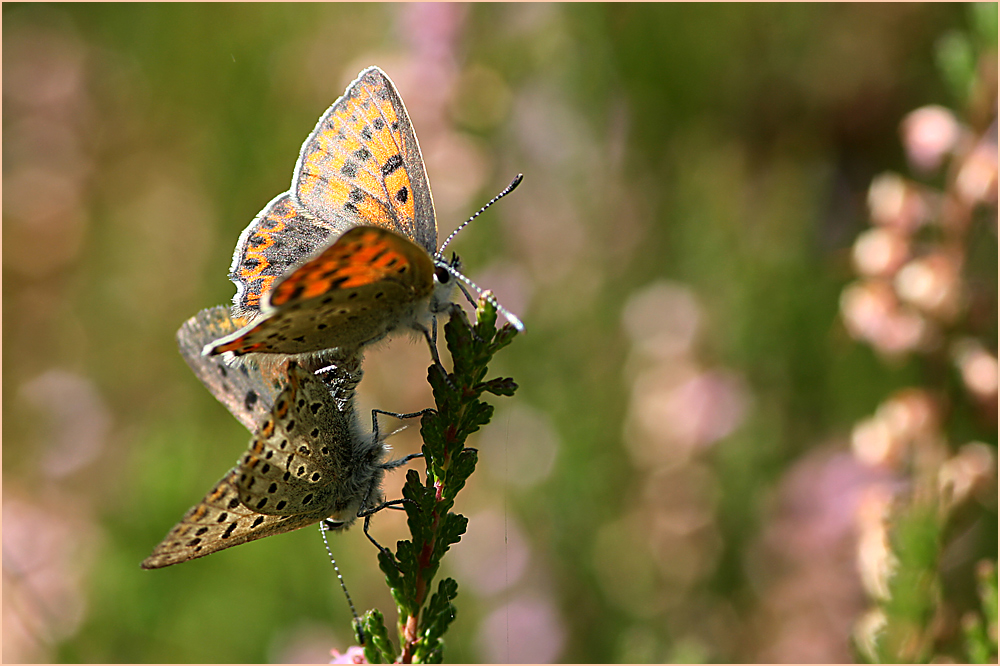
(434, 528)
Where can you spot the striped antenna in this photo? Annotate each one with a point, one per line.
(453, 270)
(356, 623)
(507, 190)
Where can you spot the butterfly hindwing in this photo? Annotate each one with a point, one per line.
(355, 292)
(275, 242)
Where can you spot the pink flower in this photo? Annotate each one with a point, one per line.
(929, 133)
(354, 655)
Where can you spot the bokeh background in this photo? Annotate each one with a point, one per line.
(681, 476)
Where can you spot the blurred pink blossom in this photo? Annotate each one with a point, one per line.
(910, 414)
(894, 202)
(978, 367)
(494, 555)
(76, 417)
(354, 655)
(971, 471)
(519, 447)
(47, 553)
(527, 630)
(929, 134)
(932, 283)
(977, 177)
(684, 411)
(47, 70)
(662, 319)
(872, 313)
(876, 562)
(880, 251)
(803, 566)
(873, 444)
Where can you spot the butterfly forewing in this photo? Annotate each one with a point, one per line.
(360, 168)
(362, 162)
(220, 521)
(243, 389)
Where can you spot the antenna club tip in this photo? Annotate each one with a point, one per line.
(489, 297)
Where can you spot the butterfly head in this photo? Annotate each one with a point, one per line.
(445, 280)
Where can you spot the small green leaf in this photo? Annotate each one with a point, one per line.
(977, 643)
(486, 318)
(452, 529)
(440, 613)
(504, 337)
(378, 649)
(477, 415)
(986, 573)
(461, 469)
(440, 608)
(501, 387)
(388, 566)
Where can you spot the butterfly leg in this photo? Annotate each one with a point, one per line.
(393, 464)
(412, 415)
(431, 337)
(468, 296)
(367, 515)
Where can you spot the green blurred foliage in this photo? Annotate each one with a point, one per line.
(725, 148)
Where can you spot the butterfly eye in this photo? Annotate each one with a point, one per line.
(331, 524)
(442, 275)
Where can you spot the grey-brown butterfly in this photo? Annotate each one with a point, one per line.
(309, 460)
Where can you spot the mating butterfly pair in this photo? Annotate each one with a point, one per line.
(359, 179)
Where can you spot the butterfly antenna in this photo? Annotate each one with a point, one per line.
(488, 295)
(507, 190)
(356, 623)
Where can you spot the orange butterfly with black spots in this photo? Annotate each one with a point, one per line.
(360, 179)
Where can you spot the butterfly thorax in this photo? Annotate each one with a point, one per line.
(361, 484)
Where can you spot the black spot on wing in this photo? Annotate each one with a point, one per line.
(391, 164)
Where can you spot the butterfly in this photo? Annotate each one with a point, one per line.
(308, 461)
(359, 179)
